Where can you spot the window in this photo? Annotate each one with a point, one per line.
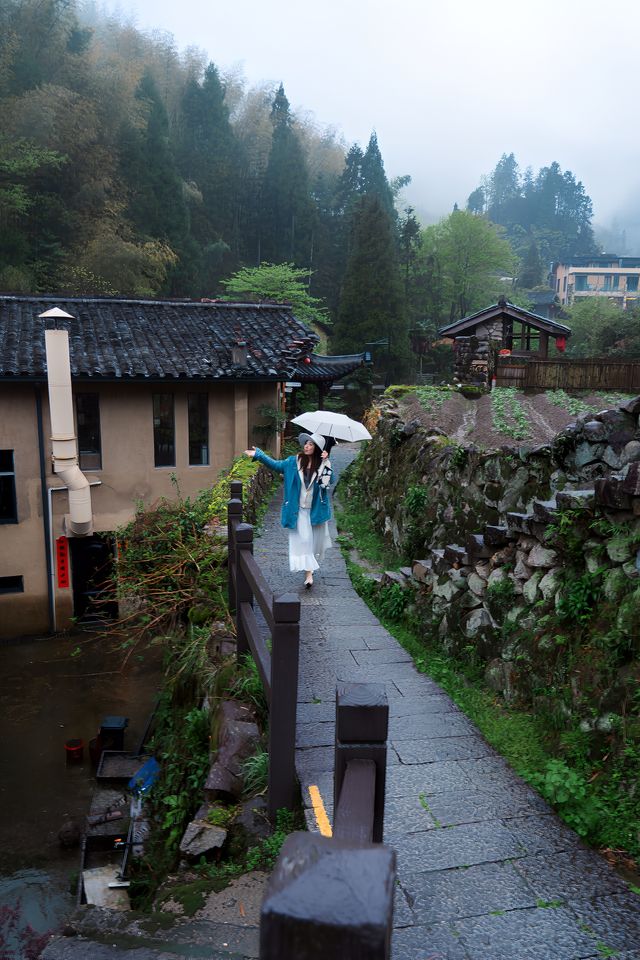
(8, 504)
(11, 585)
(198, 404)
(88, 417)
(581, 282)
(164, 436)
(632, 284)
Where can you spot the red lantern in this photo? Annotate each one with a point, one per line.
(307, 359)
(561, 344)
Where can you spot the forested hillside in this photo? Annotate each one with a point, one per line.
(129, 168)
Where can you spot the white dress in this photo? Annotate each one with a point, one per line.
(307, 543)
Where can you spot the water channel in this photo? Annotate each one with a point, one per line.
(55, 689)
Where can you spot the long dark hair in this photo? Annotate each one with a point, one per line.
(313, 462)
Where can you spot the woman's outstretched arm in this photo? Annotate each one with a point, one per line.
(257, 454)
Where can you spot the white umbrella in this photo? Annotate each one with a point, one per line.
(330, 424)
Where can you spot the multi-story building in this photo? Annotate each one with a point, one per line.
(617, 278)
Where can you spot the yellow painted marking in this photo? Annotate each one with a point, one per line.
(319, 811)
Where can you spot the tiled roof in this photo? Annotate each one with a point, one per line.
(327, 368)
(155, 340)
(467, 324)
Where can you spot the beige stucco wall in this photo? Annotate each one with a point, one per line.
(22, 545)
(128, 475)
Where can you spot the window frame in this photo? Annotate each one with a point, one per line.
(19, 587)
(14, 490)
(202, 398)
(84, 465)
(158, 426)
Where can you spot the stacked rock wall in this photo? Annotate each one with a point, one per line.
(529, 559)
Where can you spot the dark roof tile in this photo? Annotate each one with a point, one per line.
(117, 339)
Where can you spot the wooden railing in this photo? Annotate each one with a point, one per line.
(278, 666)
(333, 896)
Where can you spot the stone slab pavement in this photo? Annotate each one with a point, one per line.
(486, 871)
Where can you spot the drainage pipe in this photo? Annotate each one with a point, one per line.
(63, 437)
(46, 514)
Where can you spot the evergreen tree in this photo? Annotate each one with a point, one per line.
(286, 205)
(373, 179)
(531, 269)
(156, 204)
(371, 299)
(208, 158)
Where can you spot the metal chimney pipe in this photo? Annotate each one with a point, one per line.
(63, 438)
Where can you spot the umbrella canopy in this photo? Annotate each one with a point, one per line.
(330, 424)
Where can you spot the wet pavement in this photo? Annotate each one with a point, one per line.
(486, 870)
(56, 689)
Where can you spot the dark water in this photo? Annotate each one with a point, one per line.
(53, 690)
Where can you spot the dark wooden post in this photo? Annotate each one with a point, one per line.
(362, 722)
(234, 515)
(285, 642)
(328, 899)
(244, 593)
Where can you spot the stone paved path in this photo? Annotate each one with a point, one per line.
(486, 870)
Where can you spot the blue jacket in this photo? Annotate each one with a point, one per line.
(320, 506)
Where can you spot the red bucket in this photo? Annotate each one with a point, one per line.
(74, 750)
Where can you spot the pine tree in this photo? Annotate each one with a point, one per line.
(287, 210)
(531, 270)
(208, 158)
(371, 300)
(373, 179)
(156, 205)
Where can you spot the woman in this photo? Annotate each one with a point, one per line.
(305, 509)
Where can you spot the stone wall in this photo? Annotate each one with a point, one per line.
(528, 560)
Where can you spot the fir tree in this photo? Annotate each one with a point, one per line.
(286, 206)
(371, 300)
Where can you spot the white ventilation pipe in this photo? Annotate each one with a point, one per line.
(63, 437)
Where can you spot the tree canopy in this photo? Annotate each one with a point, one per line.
(550, 209)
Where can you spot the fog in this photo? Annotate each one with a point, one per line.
(448, 88)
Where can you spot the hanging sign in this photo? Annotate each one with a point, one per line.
(62, 562)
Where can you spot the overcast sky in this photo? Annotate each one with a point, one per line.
(449, 85)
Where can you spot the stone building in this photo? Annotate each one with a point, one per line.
(502, 329)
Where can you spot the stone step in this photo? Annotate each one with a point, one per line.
(392, 576)
(477, 548)
(454, 553)
(406, 572)
(101, 934)
(576, 499)
(497, 535)
(545, 510)
(440, 564)
(520, 522)
(421, 569)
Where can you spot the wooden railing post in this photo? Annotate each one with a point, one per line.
(362, 722)
(234, 516)
(285, 643)
(244, 594)
(328, 899)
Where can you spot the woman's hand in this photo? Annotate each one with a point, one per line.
(324, 455)
(250, 453)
